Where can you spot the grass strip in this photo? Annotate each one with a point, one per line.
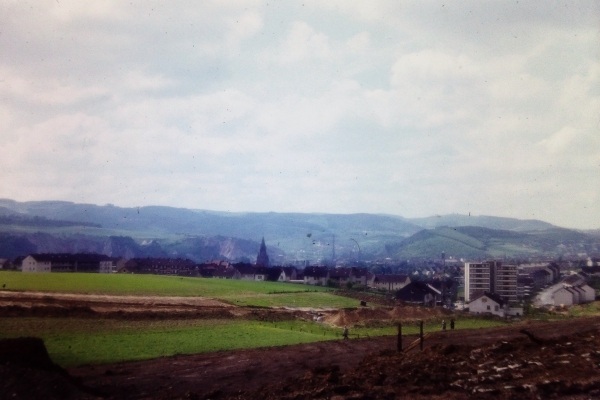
(247, 293)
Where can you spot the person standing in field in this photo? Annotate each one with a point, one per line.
(452, 324)
(345, 334)
(443, 324)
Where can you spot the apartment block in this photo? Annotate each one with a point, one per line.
(492, 277)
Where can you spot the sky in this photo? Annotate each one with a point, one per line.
(411, 108)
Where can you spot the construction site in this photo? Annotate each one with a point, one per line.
(522, 359)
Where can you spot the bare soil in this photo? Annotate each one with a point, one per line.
(455, 364)
(366, 316)
(33, 304)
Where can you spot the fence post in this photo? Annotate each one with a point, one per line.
(421, 335)
(399, 336)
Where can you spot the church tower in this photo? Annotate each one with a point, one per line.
(262, 260)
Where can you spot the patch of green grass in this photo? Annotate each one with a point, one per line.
(585, 310)
(79, 341)
(233, 291)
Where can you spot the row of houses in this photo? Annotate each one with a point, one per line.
(218, 269)
(573, 289)
(64, 262)
(568, 295)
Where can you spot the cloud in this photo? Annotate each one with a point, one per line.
(404, 107)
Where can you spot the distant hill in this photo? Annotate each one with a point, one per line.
(299, 236)
(203, 234)
(484, 221)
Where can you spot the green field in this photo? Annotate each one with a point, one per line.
(74, 341)
(246, 293)
(77, 341)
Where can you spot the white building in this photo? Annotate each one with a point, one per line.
(31, 264)
(389, 282)
(568, 295)
(489, 303)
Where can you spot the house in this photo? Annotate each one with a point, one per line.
(261, 273)
(448, 288)
(489, 303)
(593, 262)
(111, 265)
(340, 276)
(589, 293)
(390, 282)
(316, 276)
(419, 293)
(288, 274)
(36, 263)
(246, 271)
(225, 272)
(4, 264)
(564, 297)
(120, 264)
(18, 263)
(359, 275)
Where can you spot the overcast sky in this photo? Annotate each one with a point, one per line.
(398, 107)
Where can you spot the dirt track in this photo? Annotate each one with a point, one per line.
(102, 303)
(232, 371)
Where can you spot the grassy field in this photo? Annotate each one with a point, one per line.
(233, 291)
(72, 341)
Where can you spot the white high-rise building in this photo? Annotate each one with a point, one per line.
(492, 277)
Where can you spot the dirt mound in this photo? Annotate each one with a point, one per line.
(47, 311)
(398, 313)
(276, 315)
(519, 368)
(354, 316)
(407, 312)
(28, 373)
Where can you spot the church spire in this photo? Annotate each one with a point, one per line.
(262, 260)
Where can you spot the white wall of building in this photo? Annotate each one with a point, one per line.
(484, 304)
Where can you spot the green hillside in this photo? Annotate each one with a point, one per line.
(479, 242)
